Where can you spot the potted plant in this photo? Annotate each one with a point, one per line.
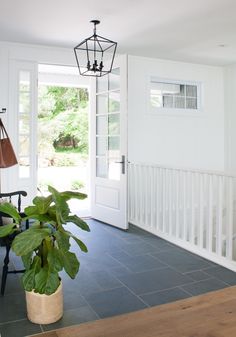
(45, 251)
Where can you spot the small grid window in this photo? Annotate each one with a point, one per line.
(173, 95)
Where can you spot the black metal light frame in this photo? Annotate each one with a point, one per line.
(95, 66)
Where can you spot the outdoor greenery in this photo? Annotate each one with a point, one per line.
(63, 124)
(43, 185)
(77, 185)
(45, 246)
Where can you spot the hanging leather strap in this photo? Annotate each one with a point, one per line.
(3, 131)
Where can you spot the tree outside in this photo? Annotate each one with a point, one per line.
(62, 137)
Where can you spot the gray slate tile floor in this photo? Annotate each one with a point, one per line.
(122, 272)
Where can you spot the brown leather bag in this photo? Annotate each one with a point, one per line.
(7, 154)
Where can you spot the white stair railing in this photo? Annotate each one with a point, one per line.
(194, 209)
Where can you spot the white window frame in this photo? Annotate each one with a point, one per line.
(175, 111)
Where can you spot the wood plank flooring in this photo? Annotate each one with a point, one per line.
(209, 315)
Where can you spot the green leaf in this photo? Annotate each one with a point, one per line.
(70, 263)
(81, 245)
(52, 213)
(28, 278)
(40, 218)
(33, 212)
(54, 260)
(46, 281)
(42, 203)
(62, 208)
(29, 240)
(7, 229)
(63, 240)
(30, 210)
(67, 195)
(9, 209)
(78, 222)
(79, 242)
(27, 259)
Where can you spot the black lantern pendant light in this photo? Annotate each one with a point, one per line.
(95, 55)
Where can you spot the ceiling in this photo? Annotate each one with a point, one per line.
(199, 31)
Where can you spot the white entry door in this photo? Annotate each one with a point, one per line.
(109, 146)
(22, 118)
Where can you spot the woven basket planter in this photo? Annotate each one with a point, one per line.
(44, 309)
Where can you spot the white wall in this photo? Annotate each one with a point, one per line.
(230, 118)
(178, 140)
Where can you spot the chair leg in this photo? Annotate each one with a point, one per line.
(5, 269)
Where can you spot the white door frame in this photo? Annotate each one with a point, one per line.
(27, 183)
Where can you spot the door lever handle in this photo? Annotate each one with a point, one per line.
(122, 162)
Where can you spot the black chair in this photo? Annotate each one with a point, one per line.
(7, 241)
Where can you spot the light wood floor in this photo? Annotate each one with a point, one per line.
(208, 315)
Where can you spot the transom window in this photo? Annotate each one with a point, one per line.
(174, 95)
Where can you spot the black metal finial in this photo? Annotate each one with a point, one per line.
(95, 22)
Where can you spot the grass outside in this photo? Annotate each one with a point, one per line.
(67, 178)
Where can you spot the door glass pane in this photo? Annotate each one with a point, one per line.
(24, 124)
(114, 101)
(114, 124)
(102, 104)
(114, 146)
(24, 84)
(101, 125)
(102, 167)
(24, 167)
(24, 110)
(24, 146)
(24, 102)
(114, 79)
(101, 146)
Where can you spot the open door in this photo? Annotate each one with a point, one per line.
(22, 118)
(109, 146)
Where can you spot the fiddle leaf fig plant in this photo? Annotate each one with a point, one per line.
(45, 246)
